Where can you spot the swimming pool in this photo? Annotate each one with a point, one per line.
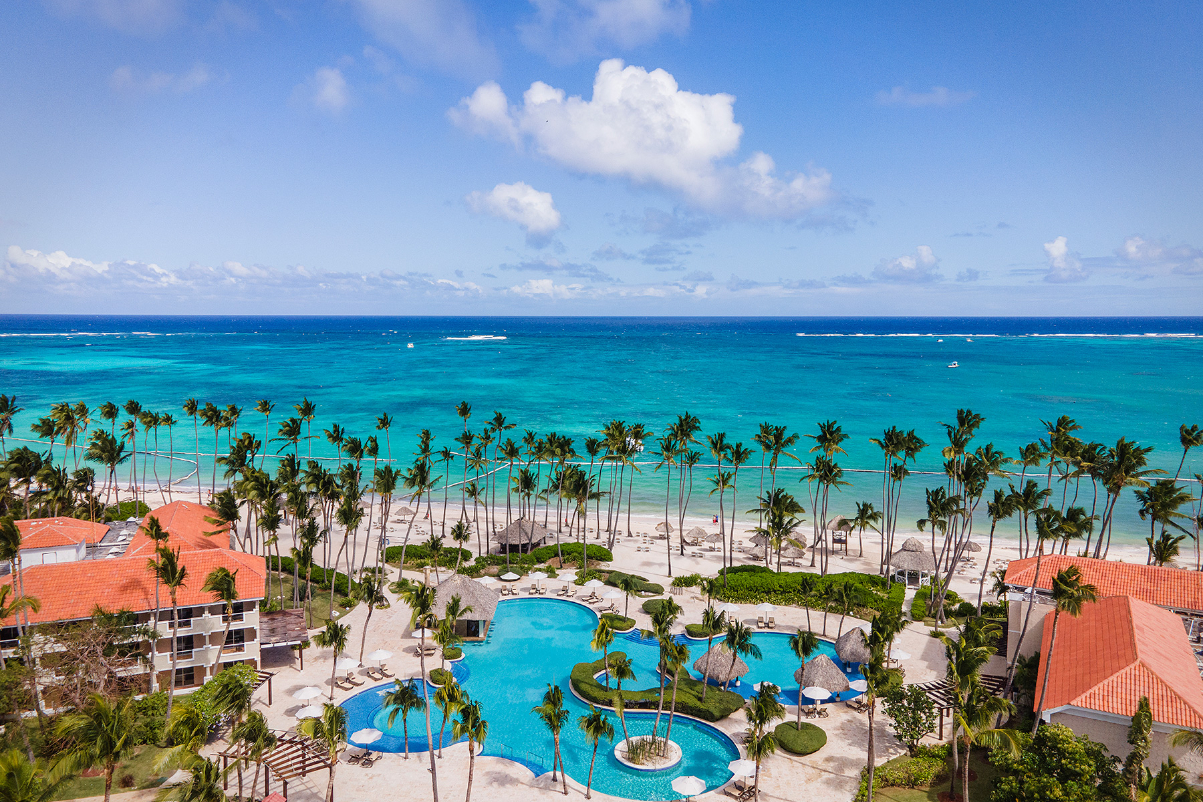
(533, 642)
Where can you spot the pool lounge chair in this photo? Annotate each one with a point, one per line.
(350, 679)
(343, 686)
(384, 670)
(373, 674)
(772, 623)
(760, 622)
(367, 760)
(354, 758)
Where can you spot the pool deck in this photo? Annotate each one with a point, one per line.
(832, 773)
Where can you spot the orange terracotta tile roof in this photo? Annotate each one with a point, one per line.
(47, 533)
(71, 591)
(1165, 587)
(1117, 651)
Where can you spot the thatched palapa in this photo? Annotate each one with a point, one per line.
(851, 646)
(822, 672)
(913, 557)
(523, 534)
(696, 532)
(482, 599)
(715, 665)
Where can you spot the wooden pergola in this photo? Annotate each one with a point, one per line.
(943, 694)
(293, 756)
(261, 678)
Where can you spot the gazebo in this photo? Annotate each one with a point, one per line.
(823, 672)
(522, 535)
(715, 666)
(912, 559)
(482, 599)
(851, 647)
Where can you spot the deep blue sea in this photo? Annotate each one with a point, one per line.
(1135, 377)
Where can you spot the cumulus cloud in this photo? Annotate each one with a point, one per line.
(1181, 259)
(126, 79)
(519, 203)
(438, 33)
(1063, 267)
(937, 96)
(142, 17)
(921, 268)
(969, 274)
(568, 30)
(326, 90)
(642, 127)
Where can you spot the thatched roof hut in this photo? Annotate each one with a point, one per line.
(851, 646)
(715, 665)
(972, 547)
(822, 671)
(913, 557)
(482, 599)
(664, 527)
(696, 532)
(839, 523)
(714, 537)
(758, 539)
(523, 534)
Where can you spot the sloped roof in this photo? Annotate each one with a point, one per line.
(522, 532)
(851, 647)
(47, 533)
(717, 664)
(1118, 650)
(1163, 586)
(185, 524)
(481, 599)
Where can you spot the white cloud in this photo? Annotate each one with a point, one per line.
(1182, 259)
(440, 33)
(918, 269)
(519, 203)
(568, 30)
(125, 79)
(1063, 267)
(326, 90)
(640, 126)
(145, 17)
(937, 96)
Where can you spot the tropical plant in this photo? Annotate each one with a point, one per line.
(255, 739)
(553, 714)
(803, 644)
(99, 735)
(223, 584)
(204, 781)
(420, 599)
(737, 641)
(471, 726)
(759, 739)
(402, 699)
(1138, 736)
(596, 726)
(333, 637)
(330, 730)
(370, 592)
(912, 714)
(1070, 595)
(603, 636)
(172, 574)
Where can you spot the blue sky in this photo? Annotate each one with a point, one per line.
(600, 157)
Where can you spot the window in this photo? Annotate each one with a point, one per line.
(185, 618)
(237, 613)
(8, 638)
(183, 647)
(235, 641)
(185, 677)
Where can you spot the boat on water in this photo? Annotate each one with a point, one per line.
(409, 345)
(953, 365)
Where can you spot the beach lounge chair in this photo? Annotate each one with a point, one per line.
(760, 622)
(354, 758)
(571, 591)
(343, 686)
(367, 760)
(772, 622)
(373, 674)
(384, 671)
(350, 680)
(823, 712)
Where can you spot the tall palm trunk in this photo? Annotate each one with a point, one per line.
(434, 772)
(471, 767)
(872, 750)
(174, 653)
(196, 439)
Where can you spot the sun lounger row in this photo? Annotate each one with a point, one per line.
(365, 758)
(766, 622)
(815, 711)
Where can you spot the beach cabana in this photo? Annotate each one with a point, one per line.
(522, 535)
(715, 666)
(697, 533)
(663, 527)
(912, 559)
(851, 647)
(481, 598)
(822, 671)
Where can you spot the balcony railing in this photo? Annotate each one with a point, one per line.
(234, 648)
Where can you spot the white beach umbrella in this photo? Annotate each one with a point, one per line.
(728, 608)
(614, 594)
(898, 654)
(380, 655)
(742, 768)
(510, 576)
(595, 583)
(366, 736)
(538, 576)
(765, 607)
(567, 576)
(816, 693)
(487, 580)
(420, 633)
(859, 685)
(688, 785)
(308, 692)
(310, 711)
(346, 663)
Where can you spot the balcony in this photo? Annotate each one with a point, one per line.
(234, 648)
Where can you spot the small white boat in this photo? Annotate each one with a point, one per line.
(953, 365)
(939, 341)
(409, 345)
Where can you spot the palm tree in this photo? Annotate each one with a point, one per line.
(1169, 784)
(621, 669)
(333, 637)
(675, 657)
(369, 591)
(101, 734)
(713, 622)
(172, 574)
(420, 599)
(1189, 436)
(974, 721)
(399, 702)
(738, 641)
(23, 780)
(449, 698)
(1070, 595)
(596, 726)
(1159, 504)
(264, 407)
(330, 730)
(187, 731)
(554, 715)
(190, 408)
(204, 784)
(256, 740)
(880, 679)
(603, 636)
(223, 584)
(759, 740)
(475, 729)
(866, 518)
(803, 644)
(8, 410)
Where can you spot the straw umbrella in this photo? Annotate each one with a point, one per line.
(851, 646)
(716, 666)
(823, 672)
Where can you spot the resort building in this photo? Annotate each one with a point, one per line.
(112, 575)
(1120, 649)
(1174, 589)
(479, 601)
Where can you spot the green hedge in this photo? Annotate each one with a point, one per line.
(764, 585)
(643, 587)
(205, 698)
(129, 509)
(454, 653)
(928, 767)
(617, 622)
(718, 705)
(416, 552)
(746, 569)
(320, 576)
(572, 553)
(687, 581)
(697, 631)
(800, 741)
(440, 676)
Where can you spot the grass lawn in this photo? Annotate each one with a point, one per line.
(979, 789)
(321, 598)
(140, 767)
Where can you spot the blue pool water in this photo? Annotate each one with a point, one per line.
(536, 641)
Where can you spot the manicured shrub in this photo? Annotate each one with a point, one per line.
(919, 603)
(718, 705)
(417, 552)
(617, 622)
(572, 553)
(320, 577)
(696, 631)
(642, 588)
(454, 653)
(804, 740)
(687, 581)
(440, 676)
(789, 588)
(966, 609)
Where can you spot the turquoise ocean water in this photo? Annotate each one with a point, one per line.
(1138, 378)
